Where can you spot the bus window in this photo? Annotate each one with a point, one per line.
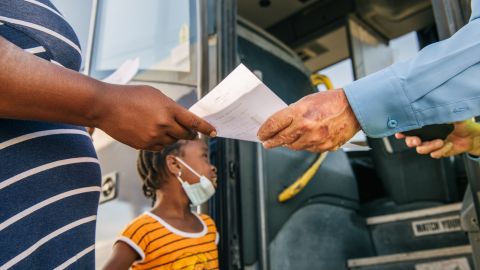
(160, 33)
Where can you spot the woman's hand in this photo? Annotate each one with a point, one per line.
(144, 118)
(465, 138)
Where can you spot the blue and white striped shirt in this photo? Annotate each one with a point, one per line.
(49, 172)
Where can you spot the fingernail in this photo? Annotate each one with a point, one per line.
(213, 134)
(265, 144)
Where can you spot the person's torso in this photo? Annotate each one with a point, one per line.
(49, 172)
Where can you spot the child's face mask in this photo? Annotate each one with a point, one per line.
(200, 192)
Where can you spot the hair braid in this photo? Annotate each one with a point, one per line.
(152, 168)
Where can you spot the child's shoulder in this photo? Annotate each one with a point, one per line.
(143, 218)
(141, 221)
(207, 219)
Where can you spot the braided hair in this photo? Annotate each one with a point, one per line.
(152, 167)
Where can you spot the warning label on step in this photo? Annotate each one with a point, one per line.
(437, 226)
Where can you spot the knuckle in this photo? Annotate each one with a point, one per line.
(270, 121)
(163, 122)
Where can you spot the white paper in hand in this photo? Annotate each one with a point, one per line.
(239, 105)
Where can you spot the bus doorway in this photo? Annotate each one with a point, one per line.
(385, 209)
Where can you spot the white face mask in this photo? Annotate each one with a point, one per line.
(200, 192)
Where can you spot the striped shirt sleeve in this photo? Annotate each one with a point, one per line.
(134, 235)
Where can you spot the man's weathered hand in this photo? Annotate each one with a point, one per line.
(465, 138)
(318, 122)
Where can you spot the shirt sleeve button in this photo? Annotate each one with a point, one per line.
(392, 123)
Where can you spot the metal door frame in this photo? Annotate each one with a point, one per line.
(225, 207)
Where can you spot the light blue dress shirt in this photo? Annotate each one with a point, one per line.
(440, 85)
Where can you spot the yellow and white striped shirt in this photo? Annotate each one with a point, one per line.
(162, 246)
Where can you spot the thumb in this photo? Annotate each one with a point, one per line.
(275, 123)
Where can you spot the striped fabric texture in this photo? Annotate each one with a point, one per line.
(161, 246)
(49, 172)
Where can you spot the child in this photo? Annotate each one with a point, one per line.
(171, 236)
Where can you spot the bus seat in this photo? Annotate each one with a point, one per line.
(409, 177)
(320, 236)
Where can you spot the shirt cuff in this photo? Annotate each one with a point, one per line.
(380, 104)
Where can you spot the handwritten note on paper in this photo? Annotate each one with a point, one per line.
(239, 105)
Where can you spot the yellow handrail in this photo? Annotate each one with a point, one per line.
(299, 184)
